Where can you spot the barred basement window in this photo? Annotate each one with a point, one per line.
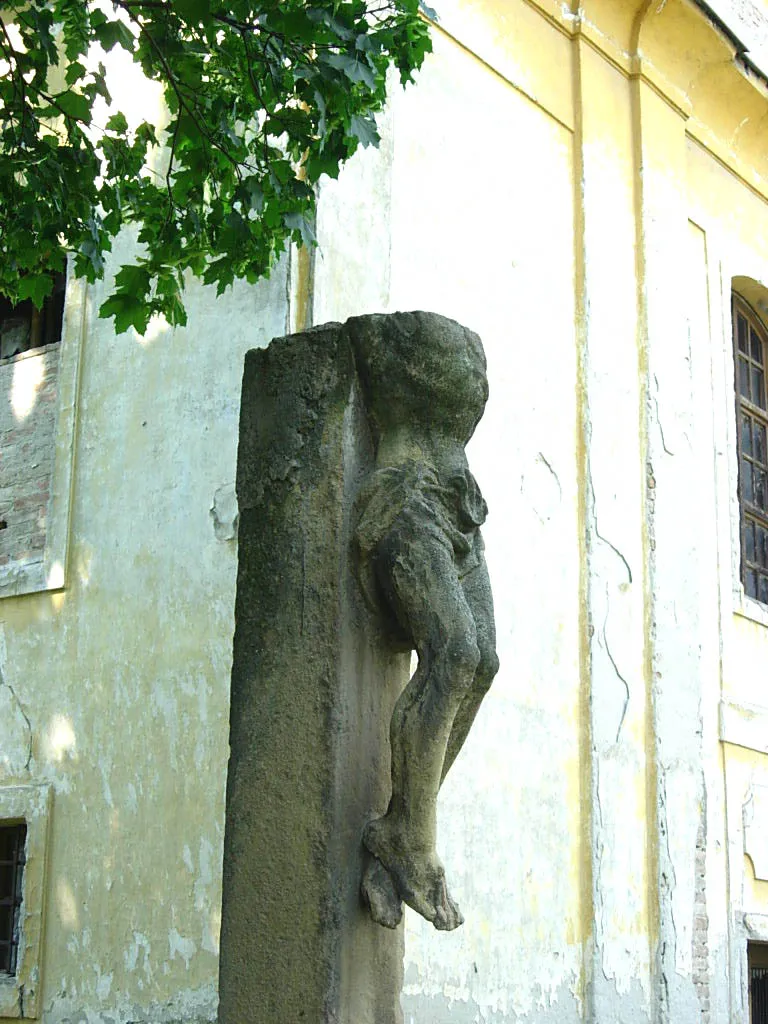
(12, 859)
(23, 327)
(750, 342)
(757, 960)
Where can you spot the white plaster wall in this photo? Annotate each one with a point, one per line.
(502, 264)
(476, 234)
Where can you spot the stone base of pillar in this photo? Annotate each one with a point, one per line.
(312, 696)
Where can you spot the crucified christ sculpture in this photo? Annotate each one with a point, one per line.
(422, 565)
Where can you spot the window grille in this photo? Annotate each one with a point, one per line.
(758, 995)
(12, 841)
(750, 343)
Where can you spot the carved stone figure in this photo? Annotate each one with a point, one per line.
(421, 563)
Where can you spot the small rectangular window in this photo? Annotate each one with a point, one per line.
(12, 859)
(757, 961)
(22, 327)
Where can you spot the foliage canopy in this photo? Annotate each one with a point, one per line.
(262, 99)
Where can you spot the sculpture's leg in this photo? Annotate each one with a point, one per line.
(477, 591)
(419, 577)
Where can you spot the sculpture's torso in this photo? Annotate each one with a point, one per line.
(425, 390)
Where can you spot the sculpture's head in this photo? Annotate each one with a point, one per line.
(420, 369)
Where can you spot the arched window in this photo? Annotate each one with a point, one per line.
(750, 343)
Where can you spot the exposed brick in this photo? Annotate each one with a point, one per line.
(26, 456)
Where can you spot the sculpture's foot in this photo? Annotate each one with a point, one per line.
(379, 894)
(418, 876)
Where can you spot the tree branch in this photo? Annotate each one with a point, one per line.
(127, 5)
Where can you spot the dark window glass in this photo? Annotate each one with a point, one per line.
(760, 546)
(749, 541)
(756, 347)
(746, 435)
(744, 377)
(757, 960)
(759, 434)
(23, 327)
(750, 340)
(746, 481)
(742, 332)
(759, 488)
(12, 839)
(758, 390)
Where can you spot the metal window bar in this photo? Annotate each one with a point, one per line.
(758, 994)
(12, 860)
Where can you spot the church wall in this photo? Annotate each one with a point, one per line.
(633, 919)
(731, 222)
(581, 191)
(114, 690)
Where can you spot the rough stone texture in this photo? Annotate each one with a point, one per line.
(313, 688)
(28, 393)
(422, 566)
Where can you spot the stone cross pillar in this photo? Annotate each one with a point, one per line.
(312, 695)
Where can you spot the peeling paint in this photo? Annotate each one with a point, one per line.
(15, 726)
(184, 947)
(224, 512)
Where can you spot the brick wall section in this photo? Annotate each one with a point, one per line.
(28, 405)
(701, 927)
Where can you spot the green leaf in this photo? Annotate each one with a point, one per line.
(73, 104)
(300, 223)
(36, 287)
(145, 134)
(127, 312)
(251, 194)
(133, 280)
(100, 84)
(76, 29)
(75, 71)
(364, 129)
(193, 11)
(359, 71)
(117, 123)
(113, 33)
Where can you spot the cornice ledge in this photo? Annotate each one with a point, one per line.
(643, 70)
(589, 33)
(724, 154)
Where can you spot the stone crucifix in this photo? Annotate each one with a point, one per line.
(421, 565)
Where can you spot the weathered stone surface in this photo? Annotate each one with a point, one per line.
(352, 481)
(313, 687)
(422, 564)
